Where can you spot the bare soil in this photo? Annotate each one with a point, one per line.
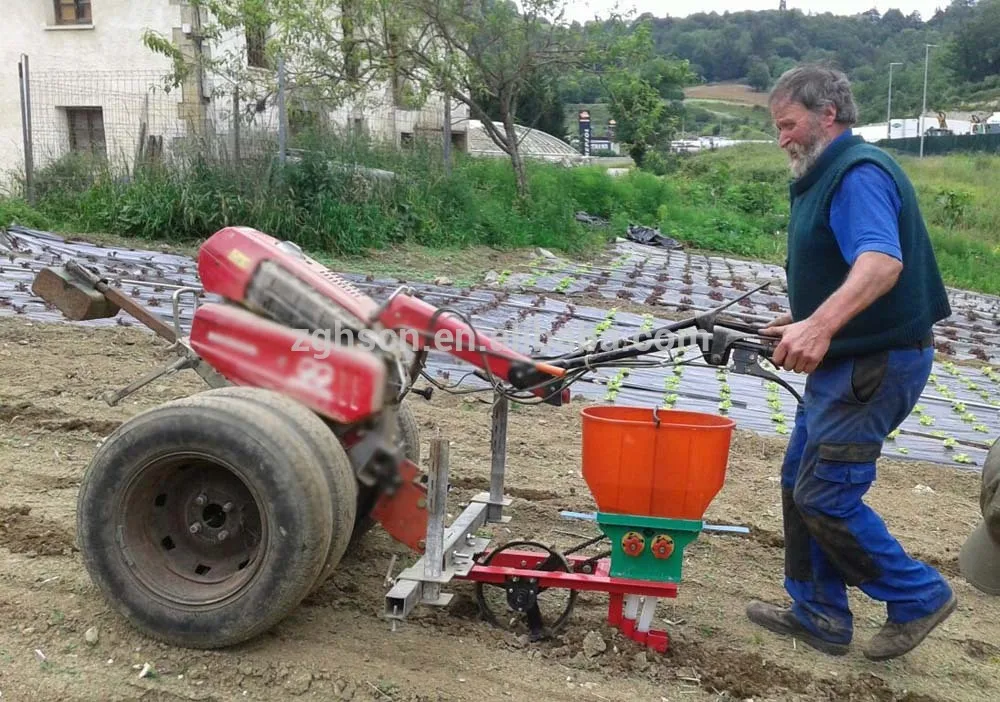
(336, 645)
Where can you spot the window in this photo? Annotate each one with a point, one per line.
(256, 36)
(86, 130)
(73, 12)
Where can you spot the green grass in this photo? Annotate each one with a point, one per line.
(732, 201)
(735, 200)
(340, 211)
(736, 120)
(703, 118)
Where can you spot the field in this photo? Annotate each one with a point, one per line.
(732, 201)
(727, 92)
(735, 200)
(62, 642)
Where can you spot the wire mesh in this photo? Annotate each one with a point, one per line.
(88, 123)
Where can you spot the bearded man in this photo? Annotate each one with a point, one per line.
(864, 292)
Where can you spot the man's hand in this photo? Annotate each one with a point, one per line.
(803, 344)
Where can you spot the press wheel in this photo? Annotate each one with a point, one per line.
(524, 607)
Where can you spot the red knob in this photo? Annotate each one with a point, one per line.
(633, 543)
(663, 546)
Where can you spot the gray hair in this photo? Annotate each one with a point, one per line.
(815, 87)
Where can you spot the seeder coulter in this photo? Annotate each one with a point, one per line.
(205, 520)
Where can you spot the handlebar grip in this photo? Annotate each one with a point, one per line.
(550, 369)
(768, 347)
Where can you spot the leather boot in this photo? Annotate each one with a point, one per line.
(780, 620)
(894, 639)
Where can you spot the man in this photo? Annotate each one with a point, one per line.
(864, 292)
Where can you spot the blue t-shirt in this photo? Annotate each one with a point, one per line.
(864, 212)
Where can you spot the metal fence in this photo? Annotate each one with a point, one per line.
(114, 121)
(945, 144)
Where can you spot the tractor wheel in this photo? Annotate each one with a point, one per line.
(204, 521)
(409, 433)
(341, 482)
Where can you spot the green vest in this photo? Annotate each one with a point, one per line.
(816, 268)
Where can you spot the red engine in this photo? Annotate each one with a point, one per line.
(302, 329)
(235, 259)
(293, 327)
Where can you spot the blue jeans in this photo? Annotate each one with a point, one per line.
(832, 538)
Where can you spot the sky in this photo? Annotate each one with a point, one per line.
(583, 10)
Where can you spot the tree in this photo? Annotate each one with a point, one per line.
(485, 54)
(640, 112)
(973, 53)
(539, 106)
(500, 59)
(642, 89)
(321, 42)
(759, 75)
(488, 53)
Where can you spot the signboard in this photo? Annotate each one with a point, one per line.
(585, 132)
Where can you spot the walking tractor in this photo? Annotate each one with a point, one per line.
(205, 520)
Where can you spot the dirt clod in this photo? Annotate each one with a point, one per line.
(22, 532)
(593, 644)
(298, 683)
(741, 674)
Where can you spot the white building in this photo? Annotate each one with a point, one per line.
(94, 86)
(710, 143)
(71, 45)
(909, 127)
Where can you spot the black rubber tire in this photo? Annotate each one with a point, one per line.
(285, 483)
(409, 432)
(341, 481)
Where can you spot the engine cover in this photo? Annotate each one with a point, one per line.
(346, 385)
(251, 268)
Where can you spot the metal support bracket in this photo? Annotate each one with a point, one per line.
(498, 448)
(113, 397)
(187, 359)
(449, 552)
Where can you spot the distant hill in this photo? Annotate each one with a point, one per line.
(735, 49)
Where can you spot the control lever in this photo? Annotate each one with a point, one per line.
(423, 392)
(706, 320)
(746, 360)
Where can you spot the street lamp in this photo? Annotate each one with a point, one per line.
(927, 54)
(888, 116)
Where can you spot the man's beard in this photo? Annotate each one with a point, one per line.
(803, 157)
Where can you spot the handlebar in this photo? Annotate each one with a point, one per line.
(720, 341)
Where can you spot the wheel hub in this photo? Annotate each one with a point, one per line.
(216, 513)
(191, 530)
